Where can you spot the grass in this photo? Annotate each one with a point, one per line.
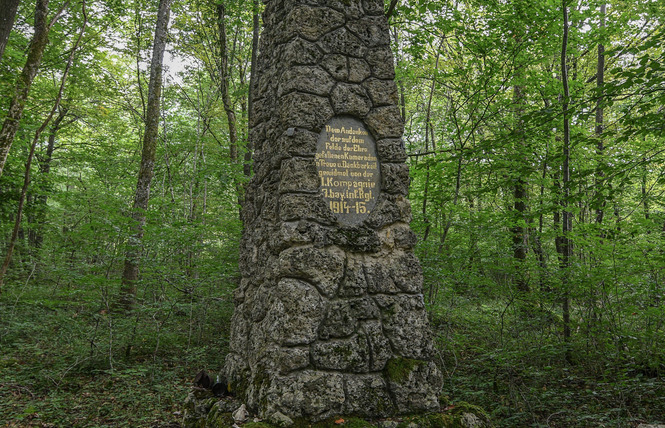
(513, 365)
(64, 361)
(64, 358)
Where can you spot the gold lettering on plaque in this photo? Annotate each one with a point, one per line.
(348, 169)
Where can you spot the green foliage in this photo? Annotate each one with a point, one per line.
(482, 101)
(64, 358)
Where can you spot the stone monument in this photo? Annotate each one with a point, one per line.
(329, 315)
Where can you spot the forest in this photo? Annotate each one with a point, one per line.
(535, 134)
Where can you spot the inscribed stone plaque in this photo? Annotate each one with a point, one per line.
(348, 169)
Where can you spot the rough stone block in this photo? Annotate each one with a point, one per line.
(358, 239)
(354, 282)
(379, 345)
(309, 23)
(406, 326)
(373, 7)
(381, 63)
(299, 175)
(385, 122)
(363, 308)
(296, 233)
(290, 359)
(414, 384)
(259, 302)
(358, 70)
(351, 8)
(306, 78)
(337, 65)
(296, 311)
(301, 142)
(348, 99)
(239, 330)
(299, 52)
(237, 370)
(382, 92)
(342, 41)
(300, 110)
(313, 394)
(372, 30)
(261, 109)
(324, 267)
(339, 321)
(391, 150)
(386, 212)
(404, 208)
(350, 355)
(367, 395)
(379, 278)
(404, 237)
(304, 207)
(267, 210)
(395, 178)
(408, 274)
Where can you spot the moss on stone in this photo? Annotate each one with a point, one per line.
(219, 420)
(350, 422)
(258, 425)
(239, 389)
(357, 423)
(462, 407)
(398, 369)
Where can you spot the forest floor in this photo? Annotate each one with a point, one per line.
(63, 362)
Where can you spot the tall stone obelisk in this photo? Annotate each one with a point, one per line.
(329, 316)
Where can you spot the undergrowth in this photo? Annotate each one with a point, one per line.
(67, 360)
(511, 361)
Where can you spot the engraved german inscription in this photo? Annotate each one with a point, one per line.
(348, 169)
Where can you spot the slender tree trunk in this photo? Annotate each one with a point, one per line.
(45, 169)
(520, 195)
(556, 217)
(567, 220)
(252, 83)
(35, 52)
(537, 242)
(224, 83)
(645, 199)
(150, 138)
(26, 178)
(8, 8)
(600, 147)
(429, 133)
(458, 187)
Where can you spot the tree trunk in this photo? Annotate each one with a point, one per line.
(252, 83)
(518, 229)
(9, 8)
(35, 53)
(224, 84)
(150, 138)
(26, 178)
(224, 81)
(537, 242)
(600, 148)
(567, 220)
(429, 133)
(45, 169)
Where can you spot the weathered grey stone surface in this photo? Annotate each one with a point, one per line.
(329, 316)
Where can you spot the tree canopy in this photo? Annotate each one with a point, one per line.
(535, 134)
